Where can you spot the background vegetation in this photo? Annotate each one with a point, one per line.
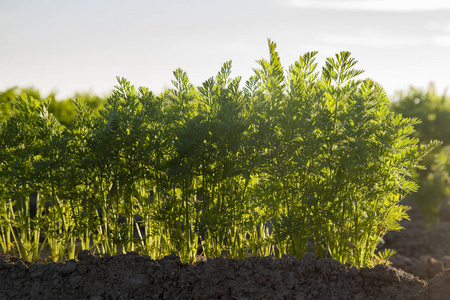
(63, 110)
(434, 112)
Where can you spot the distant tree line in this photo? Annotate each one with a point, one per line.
(63, 110)
(434, 112)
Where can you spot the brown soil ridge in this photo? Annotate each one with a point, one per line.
(133, 276)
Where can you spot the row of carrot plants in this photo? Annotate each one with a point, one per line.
(293, 161)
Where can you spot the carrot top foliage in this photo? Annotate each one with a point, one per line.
(295, 160)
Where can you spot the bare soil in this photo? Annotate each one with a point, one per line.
(423, 253)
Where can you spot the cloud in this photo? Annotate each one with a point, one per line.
(373, 5)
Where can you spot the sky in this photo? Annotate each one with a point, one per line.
(81, 46)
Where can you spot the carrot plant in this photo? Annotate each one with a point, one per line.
(341, 160)
(21, 136)
(296, 160)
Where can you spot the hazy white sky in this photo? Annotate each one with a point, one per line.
(82, 45)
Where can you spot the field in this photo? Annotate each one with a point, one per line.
(282, 188)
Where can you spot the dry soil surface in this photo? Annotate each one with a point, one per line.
(131, 276)
(420, 251)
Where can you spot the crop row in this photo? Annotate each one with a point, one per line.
(296, 160)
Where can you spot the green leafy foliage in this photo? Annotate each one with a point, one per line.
(434, 112)
(8, 96)
(435, 188)
(297, 160)
(65, 110)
